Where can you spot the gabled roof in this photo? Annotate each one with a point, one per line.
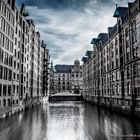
(112, 30)
(95, 41)
(120, 12)
(85, 59)
(102, 36)
(88, 54)
(63, 68)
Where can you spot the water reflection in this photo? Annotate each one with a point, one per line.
(67, 121)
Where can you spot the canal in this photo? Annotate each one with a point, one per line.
(68, 121)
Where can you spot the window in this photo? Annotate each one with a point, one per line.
(15, 53)
(17, 89)
(6, 58)
(11, 47)
(127, 45)
(134, 32)
(128, 88)
(10, 60)
(128, 72)
(9, 90)
(1, 72)
(4, 102)
(127, 56)
(116, 51)
(18, 66)
(14, 64)
(116, 41)
(4, 90)
(63, 88)
(5, 73)
(14, 76)
(126, 32)
(113, 76)
(117, 89)
(17, 76)
(135, 52)
(14, 88)
(135, 70)
(113, 92)
(18, 44)
(112, 54)
(17, 101)
(117, 75)
(1, 55)
(9, 102)
(15, 41)
(10, 75)
(112, 64)
(0, 89)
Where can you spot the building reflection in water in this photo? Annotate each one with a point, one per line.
(105, 125)
(67, 121)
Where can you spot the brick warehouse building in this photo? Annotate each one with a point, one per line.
(111, 72)
(24, 60)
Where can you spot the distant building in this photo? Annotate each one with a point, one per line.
(76, 78)
(66, 78)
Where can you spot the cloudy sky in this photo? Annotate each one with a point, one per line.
(67, 26)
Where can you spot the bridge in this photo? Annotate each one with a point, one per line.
(65, 96)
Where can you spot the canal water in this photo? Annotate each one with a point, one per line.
(68, 121)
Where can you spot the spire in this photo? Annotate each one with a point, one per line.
(52, 69)
(52, 65)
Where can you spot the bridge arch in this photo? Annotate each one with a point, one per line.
(65, 96)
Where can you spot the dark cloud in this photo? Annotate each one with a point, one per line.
(62, 35)
(63, 4)
(55, 4)
(67, 26)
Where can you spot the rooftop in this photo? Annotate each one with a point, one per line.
(63, 68)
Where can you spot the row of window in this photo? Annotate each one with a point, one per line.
(76, 75)
(5, 73)
(5, 90)
(7, 13)
(7, 28)
(116, 90)
(6, 43)
(135, 70)
(7, 102)
(6, 58)
(59, 83)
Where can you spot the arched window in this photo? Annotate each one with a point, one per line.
(13, 102)
(4, 102)
(63, 88)
(17, 101)
(9, 102)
